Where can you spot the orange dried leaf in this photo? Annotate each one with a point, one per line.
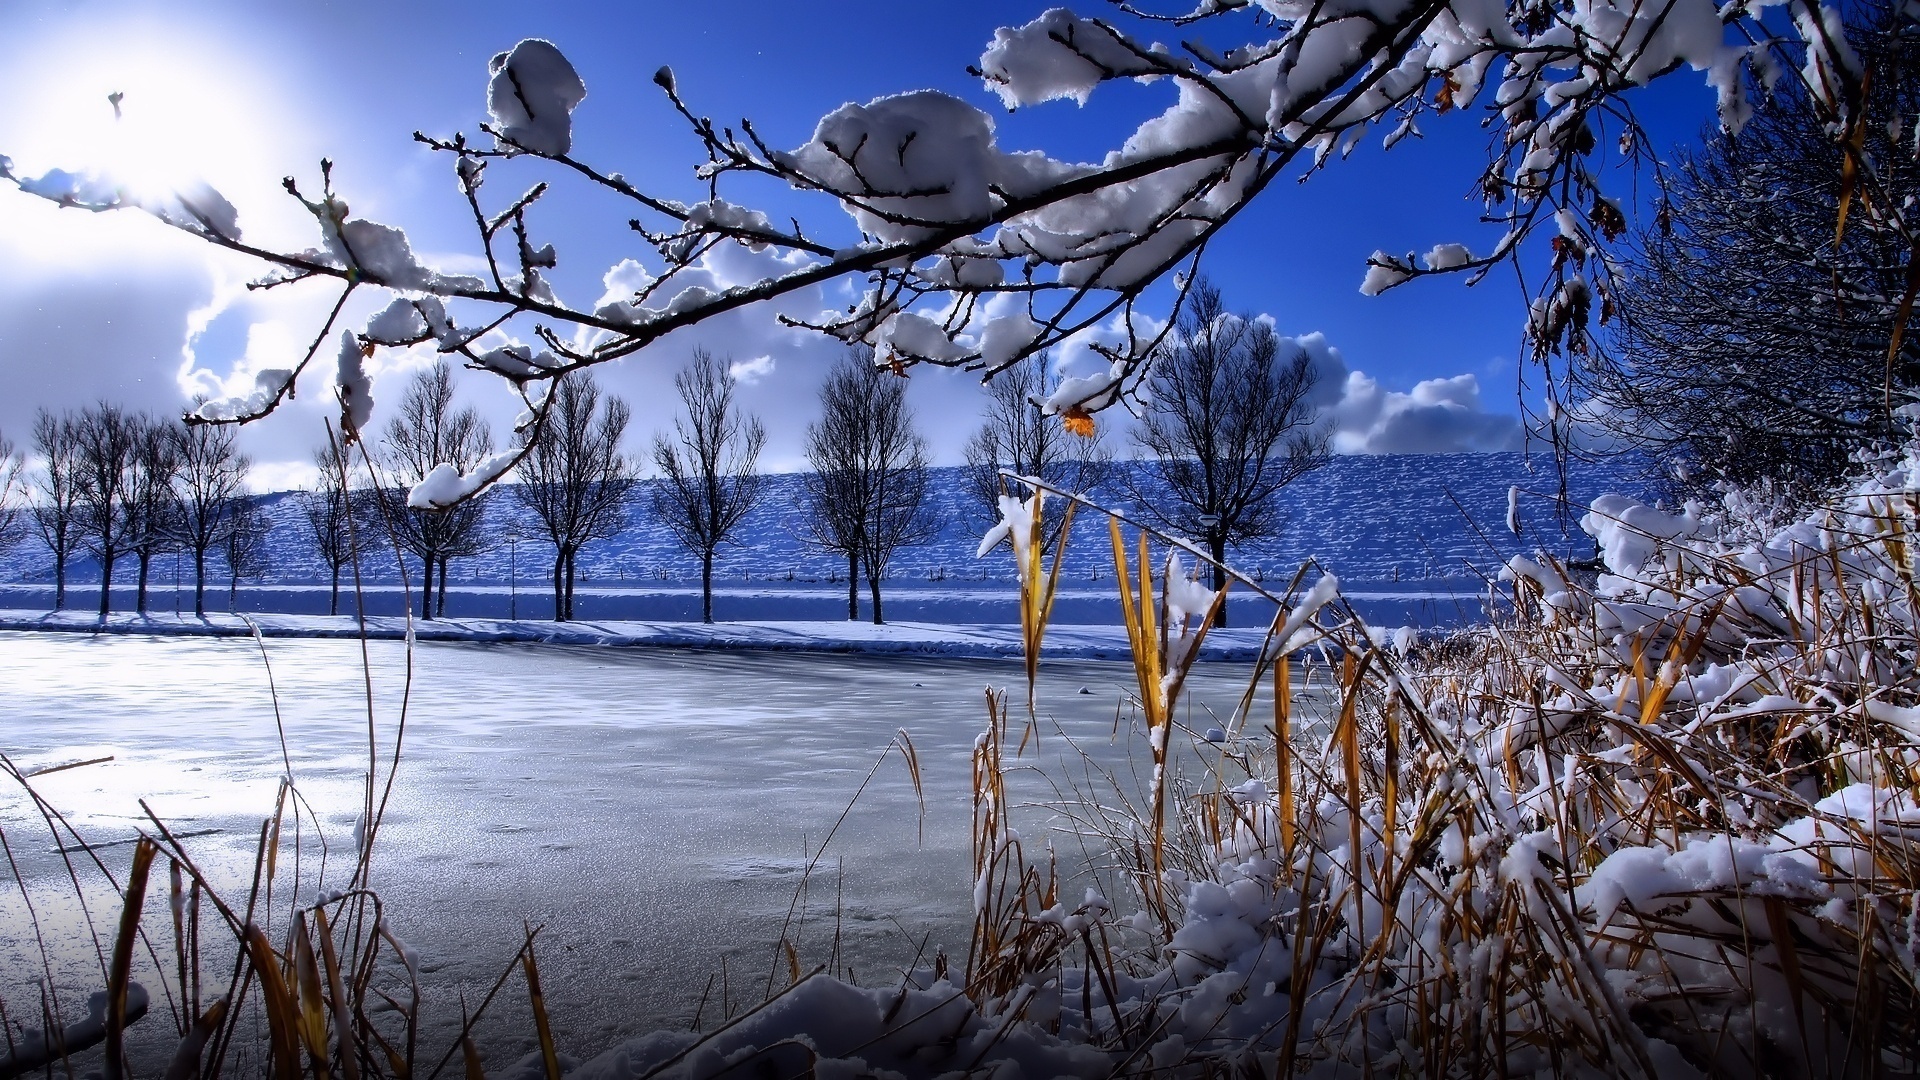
(1077, 421)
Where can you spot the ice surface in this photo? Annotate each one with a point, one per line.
(642, 804)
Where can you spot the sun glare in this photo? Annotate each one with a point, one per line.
(151, 115)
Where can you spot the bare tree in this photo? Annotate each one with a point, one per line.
(575, 478)
(57, 502)
(153, 506)
(211, 473)
(1017, 435)
(426, 431)
(15, 495)
(707, 482)
(333, 511)
(1754, 339)
(1230, 424)
(107, 443)
(243, 540)
(832, 505)
(866, 495)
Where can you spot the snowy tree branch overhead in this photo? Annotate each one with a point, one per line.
(974, 255)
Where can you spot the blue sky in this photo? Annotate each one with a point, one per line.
(115, 306)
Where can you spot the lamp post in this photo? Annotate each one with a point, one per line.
(1211, 523)
(513, 576)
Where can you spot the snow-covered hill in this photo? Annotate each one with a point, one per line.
(1429, 522)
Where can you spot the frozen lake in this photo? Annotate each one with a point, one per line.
(651, 807)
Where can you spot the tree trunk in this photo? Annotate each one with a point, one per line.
(559, 584)
(59, 582)
(140, 592)
(706, 585)
(440, 608)
(853, 586)
(233, 590)
(426, 588)
(1217, 547)
(333, 601)
(573, 565)
(106, 583)
(200, 583)
(873, 586)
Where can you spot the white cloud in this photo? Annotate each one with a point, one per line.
(750, 371)
(1439, 416)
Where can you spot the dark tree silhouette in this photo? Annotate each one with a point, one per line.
(14, 494)
(243, 540)
(153, 506)
(334, 512)
(107, 442)
(707, 481)
(426, 430)
(211, 473)
(866, 495)
(1750, 345)
(575, 478)
(57, 507)
(1230, 423)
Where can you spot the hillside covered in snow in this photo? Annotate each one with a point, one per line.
(1413, 538)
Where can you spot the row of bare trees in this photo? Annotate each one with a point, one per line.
(121, 485)
(574, 480)
(1229, 420)
(1231, 423)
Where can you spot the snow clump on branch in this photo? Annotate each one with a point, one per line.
(532, 95)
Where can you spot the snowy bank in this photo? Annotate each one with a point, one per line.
(923, 639)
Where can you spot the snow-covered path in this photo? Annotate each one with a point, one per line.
(650, 807)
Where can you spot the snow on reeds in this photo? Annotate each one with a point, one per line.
(1660, 820)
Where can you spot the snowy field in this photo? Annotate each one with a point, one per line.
(653, 809)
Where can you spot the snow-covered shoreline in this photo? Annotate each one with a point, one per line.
(914, 638)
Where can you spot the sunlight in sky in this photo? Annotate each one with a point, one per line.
(190, 112)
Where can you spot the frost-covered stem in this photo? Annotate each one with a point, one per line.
(706, 585)
(1173, 541)
(853, 586)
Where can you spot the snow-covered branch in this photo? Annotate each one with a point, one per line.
(947, 218)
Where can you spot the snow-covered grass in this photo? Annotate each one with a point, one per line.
(1661, 823)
